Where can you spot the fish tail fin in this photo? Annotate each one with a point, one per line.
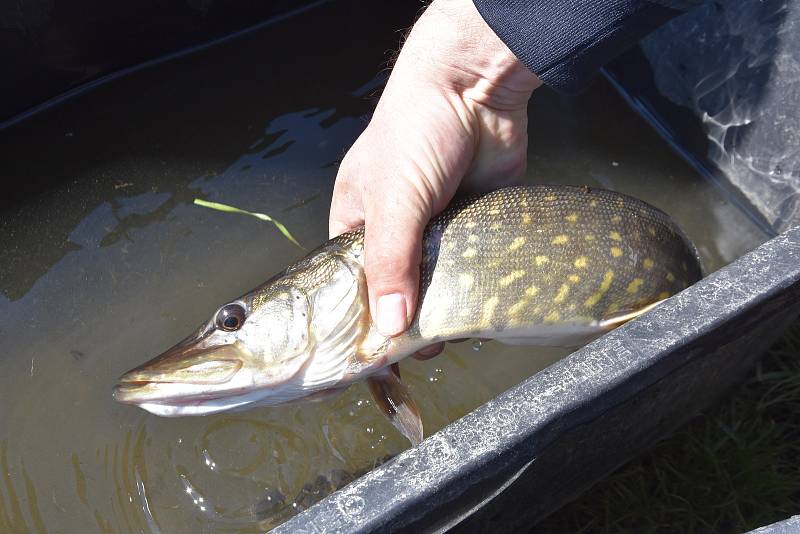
(623, 316)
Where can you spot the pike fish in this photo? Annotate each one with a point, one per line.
(547, 265)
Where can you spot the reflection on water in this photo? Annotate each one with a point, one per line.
(112, 264)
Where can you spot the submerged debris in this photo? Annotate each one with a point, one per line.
(273, 508)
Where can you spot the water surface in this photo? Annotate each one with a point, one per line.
(106, 263)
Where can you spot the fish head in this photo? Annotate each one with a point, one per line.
(255, 343)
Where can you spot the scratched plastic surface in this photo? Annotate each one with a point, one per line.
(112, 263)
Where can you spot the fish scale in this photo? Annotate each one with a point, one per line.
(546, 254)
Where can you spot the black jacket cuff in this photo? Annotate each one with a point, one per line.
(565, 42)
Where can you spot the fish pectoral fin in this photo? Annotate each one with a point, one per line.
(394, 400)
(623, 316)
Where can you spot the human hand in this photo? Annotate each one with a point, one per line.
(453, 114)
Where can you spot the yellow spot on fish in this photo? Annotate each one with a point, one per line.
(574, 278)
(552, 317)
(523, 203)
(589, 237)
(469, 253)
(473, 238)
(517, 307)
(541, 260)
(663, 295)
(670, 277)
(612, 309)
(470, 224)
(560, 239)
(517, 243)
(495, 226)
(615, 236)
(550, 198)
(604, 286)
(511, 277)
(526, 218)
(634, 286)
(581, 262)
(648, 263)
(561, 296)
(494, 211)
(593, 203)
(466, 280)
(651, 230)
(488, 309)
(531, 291)
(615, 251)
(572, 217)
(616, 218)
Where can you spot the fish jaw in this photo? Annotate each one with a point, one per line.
(192, 380)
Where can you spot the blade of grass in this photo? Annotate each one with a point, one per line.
(262, 216)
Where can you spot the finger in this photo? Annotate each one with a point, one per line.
(395, 217)
(429, 352)
(347, 209)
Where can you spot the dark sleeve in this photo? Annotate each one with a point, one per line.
(565, 42)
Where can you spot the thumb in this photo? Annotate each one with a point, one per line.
(395, 219)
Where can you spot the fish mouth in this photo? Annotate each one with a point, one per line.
(185, 374)
(138, 394)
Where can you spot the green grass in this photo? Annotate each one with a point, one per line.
(732, 470)
(261, 216)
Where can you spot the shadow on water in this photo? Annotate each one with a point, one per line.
(169, 126)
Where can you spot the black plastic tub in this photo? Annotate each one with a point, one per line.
(523, 454)
(50, 52)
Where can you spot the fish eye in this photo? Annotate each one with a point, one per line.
(230, 317)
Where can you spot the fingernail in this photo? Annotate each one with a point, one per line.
(391, 314)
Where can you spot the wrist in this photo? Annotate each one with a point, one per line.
(452, 46)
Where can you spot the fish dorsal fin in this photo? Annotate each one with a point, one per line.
(623, 316)
(394, 400)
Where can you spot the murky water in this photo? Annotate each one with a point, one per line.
(106, 263)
